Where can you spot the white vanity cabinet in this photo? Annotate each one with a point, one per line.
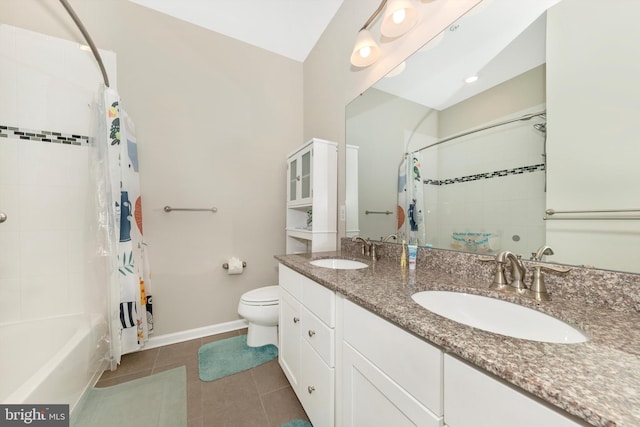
(475, 399)
(389, 377)
(307, 343)
(312, 194)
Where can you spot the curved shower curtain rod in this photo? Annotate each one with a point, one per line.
(87, 37)
(517, 119)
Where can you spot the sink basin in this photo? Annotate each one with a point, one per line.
(500, 317)
(339, 264)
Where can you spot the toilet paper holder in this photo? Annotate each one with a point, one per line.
(226, 265)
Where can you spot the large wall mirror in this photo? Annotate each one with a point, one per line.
(548, 124)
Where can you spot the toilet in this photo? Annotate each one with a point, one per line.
(260, 307)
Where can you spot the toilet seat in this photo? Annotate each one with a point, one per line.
(268, 295)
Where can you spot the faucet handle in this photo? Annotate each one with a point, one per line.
(551, 267)
(538, 290)
(499, 280)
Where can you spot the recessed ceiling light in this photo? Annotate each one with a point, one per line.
(471, 79)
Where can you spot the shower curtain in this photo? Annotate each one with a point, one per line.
(119, 209)
(411, 227)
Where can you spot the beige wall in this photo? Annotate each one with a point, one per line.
(506, 99)
(215, 119)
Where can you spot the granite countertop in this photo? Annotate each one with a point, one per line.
(597, 381)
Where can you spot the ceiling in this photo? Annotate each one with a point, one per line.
(289, 28)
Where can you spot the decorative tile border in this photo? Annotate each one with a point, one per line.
(42, 135)
(487, 175)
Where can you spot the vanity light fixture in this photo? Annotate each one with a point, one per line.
(399, 17)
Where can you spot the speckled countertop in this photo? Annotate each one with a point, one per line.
(597, 381)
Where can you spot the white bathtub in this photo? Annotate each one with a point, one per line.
(51, 360)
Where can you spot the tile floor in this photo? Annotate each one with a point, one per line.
(260, 397)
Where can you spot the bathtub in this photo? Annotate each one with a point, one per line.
(51, 360)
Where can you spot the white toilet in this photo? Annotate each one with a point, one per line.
(260, 308)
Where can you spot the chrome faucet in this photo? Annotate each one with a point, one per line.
(389, 237)
(518, 271)
(537, 290)
(366, 244)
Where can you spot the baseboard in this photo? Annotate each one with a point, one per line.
(177, 337)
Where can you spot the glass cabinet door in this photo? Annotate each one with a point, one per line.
(305, 188)
(293, 179)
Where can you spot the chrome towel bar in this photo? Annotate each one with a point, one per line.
(378, 212)
(551, 212)
(170, 209)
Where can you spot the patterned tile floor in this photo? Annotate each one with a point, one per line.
(260, 397)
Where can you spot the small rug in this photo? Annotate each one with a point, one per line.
(156, 400)
(297, 423)
(230, 356)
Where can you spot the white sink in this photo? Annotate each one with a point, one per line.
(339, 264)
(500, 317)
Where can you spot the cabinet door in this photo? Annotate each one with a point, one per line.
(293, 180)
(372, 399)
(289, 337)
(306, 176)
(475, 399)
(316, 388)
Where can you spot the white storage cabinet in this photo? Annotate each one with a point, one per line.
(312, 192)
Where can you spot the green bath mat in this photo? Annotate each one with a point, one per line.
(156, 400)
(297, 423)
(230, 356)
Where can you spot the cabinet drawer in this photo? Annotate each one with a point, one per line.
(318, 335)
(290, 281)
(319, 300)
(316, 388)
(409, 361)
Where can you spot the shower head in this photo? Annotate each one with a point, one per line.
(541, 127)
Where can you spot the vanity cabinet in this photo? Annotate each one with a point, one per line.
(475, 399)
(312, 193)
(389, 377)
(307, 343)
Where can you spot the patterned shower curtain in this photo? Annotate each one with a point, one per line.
(131, 302)
(411, 227)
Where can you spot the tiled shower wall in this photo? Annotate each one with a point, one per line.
(47, 86)
(488, 182)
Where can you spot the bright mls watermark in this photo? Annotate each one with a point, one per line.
(34, 415)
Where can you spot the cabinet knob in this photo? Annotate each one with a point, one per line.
(311, 389)
(296, 319)
(311, 333)
(298, 178)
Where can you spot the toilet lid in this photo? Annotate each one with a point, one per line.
(265, 295)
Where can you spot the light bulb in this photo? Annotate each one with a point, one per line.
(365, 51)
(399, 16)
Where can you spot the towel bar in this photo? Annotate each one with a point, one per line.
(169, 209)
